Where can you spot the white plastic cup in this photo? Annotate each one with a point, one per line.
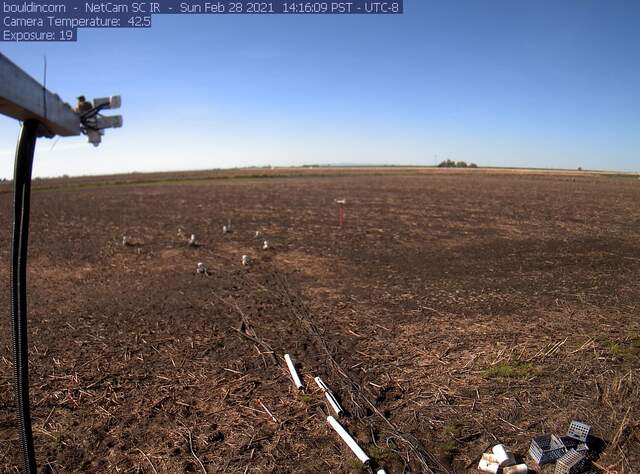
(504, 457)
(490, 458)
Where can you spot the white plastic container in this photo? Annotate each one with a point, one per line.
(517, 469)
(490, 458)
(484, 466)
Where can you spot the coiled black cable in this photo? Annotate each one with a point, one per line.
(19, 253)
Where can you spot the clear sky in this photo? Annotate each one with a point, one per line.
(540, 83)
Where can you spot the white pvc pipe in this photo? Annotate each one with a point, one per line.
(346, 437)
(334, 403)
(321, 384)
(294, 373)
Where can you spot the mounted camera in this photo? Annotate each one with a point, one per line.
(93, 122)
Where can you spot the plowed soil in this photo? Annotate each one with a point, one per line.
(450, 312)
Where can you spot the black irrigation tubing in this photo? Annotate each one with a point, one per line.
(19, 251)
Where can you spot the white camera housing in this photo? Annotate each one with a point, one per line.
(113, 102)
(114, 121)
(95, 124)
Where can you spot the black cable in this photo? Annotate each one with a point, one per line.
(19, 253)
(93, 112)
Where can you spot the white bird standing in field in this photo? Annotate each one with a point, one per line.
(265, 245)
(245, 260)
(192, 241)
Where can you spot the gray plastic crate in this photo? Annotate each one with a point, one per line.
(573, 443)
(546, 448)
(569, 442)
(579, 430)
(572, 462)
(582, 448)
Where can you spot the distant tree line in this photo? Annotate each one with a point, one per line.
(456, 164)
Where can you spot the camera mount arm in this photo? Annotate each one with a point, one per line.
(43, 114)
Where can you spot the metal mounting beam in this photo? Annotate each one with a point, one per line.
(24, 98)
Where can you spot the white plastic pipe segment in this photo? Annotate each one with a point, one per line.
(334, 403)
(321, 384)
(294, 373)
(484, 466)
(503, 455)
(517, 469)
(346, 437)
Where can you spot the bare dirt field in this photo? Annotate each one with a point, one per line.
(451, 311)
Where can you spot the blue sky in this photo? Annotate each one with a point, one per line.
(502, 83)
